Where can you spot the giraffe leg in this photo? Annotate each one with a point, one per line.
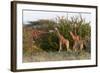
(60, 46)
(67, 46)
(81, 46)
(76, 46)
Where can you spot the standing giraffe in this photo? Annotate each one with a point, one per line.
(78, 43)
(62, 40)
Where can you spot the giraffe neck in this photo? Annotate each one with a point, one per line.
(58, 33)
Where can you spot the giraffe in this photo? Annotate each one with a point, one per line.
(78, 43)
(36, 34)
(62, 40)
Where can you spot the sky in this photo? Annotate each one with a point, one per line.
(29, 15)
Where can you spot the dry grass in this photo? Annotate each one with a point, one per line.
(39, 55)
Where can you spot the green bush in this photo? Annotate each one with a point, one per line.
(78, 25)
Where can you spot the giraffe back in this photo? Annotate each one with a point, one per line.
(63, 40)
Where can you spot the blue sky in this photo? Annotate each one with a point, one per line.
(37, 15)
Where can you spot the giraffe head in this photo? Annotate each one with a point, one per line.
(51, 31)
(56, 28)
(57, 31)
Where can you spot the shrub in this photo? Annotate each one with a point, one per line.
(78, 25)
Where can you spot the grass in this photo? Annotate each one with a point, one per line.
(39, 55)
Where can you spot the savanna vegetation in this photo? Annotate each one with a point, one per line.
(46, 46)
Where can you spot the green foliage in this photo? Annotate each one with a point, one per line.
(50, 42)
(76, 24)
